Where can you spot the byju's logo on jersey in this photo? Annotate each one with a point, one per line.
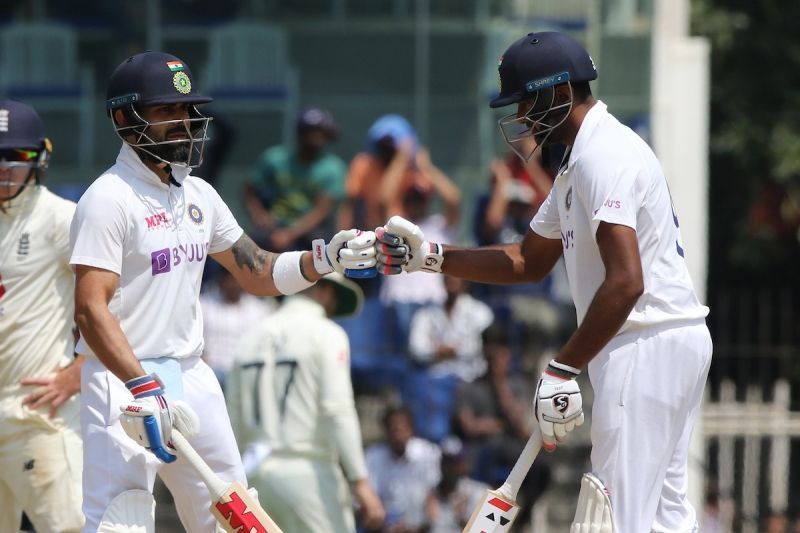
(195, 214)
(162, 261)
(157, 221)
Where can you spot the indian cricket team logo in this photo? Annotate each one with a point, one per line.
(195, 214)
(568, 199)
(182, 82)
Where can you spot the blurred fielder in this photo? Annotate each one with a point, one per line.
(40, 445)
(291, 402)
(641, 329)
(140, 238)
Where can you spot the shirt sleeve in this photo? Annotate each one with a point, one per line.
(611, 195)
(62, 214)
(421, 342)
(98, 229)
(546, 222)
(332, 177)
(226, 230)
(337, 405)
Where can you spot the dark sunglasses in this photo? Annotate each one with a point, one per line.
(19, 156)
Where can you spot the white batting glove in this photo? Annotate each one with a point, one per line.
(350, 249)
(558, 403)
(150, 417)
(422, 255)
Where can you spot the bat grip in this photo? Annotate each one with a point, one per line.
(215, 485)
(362, 273)
(523, 465)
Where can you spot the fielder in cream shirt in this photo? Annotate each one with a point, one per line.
(40, 444)
(291, 403)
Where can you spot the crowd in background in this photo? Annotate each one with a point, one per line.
(454, 362)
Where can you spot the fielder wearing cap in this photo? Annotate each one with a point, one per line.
(300, 429)
(641, 327)
(140, 238)
(40, 442)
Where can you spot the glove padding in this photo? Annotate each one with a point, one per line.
(558, 403)
(150, 416)
(422, 255)
(349, 249)
(391, 252)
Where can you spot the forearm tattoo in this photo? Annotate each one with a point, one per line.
(248, 254)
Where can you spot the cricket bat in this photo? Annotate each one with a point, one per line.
(236, 510)
(497, 511)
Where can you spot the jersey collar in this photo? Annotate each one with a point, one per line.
(129, 158)
(593, 117)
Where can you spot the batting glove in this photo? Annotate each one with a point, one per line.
(350, 249)
(391, 252)
(558, 403)
(422, 255)
(150, 416)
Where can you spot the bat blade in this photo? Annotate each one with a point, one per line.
(237, 511)
(496, 514)
(233, 507)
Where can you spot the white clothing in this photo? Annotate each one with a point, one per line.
(420, 287)
(157, 238)
(225, 322)
(36, 286)
(402, 483)
(648, 380)
(460, 329)
(296, 366)
(648, 386)
(116, 463)
(290, 391)
(613, 176)
(40, 457)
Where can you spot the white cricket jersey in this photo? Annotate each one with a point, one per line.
(613, 176)
(291, 388)
(157, 237)
(36, 286)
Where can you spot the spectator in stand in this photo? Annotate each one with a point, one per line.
(447, 338)
(295, 191)
(227, 313)
(492, 416)
(403, 471)
(450, 504)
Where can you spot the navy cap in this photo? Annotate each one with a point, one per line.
(319, 119)
(20, 126)
(540, 60)
(152, 78)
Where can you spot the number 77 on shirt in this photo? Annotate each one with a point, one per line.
(497, 511)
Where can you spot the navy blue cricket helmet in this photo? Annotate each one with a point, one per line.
(529, 70)
(24, 148)
(157, 78)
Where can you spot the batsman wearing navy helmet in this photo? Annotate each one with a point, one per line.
(40, 445)
(140, 238)
(641, 328)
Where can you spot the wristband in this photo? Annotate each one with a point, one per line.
(561, 371)
(286, 273)
(147, 385)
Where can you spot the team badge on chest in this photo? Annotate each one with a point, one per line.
(195, 214)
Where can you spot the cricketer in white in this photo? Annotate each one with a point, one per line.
(140, 237)
(290, 395)
(40, 445)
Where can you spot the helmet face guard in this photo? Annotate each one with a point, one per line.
(538, 123)
(187, 152)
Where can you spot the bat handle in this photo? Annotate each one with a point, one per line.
(523, 465)
(361, 273)
(215, 485)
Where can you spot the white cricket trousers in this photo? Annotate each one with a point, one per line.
(648, 387)
(305, 495)
(114, 463)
